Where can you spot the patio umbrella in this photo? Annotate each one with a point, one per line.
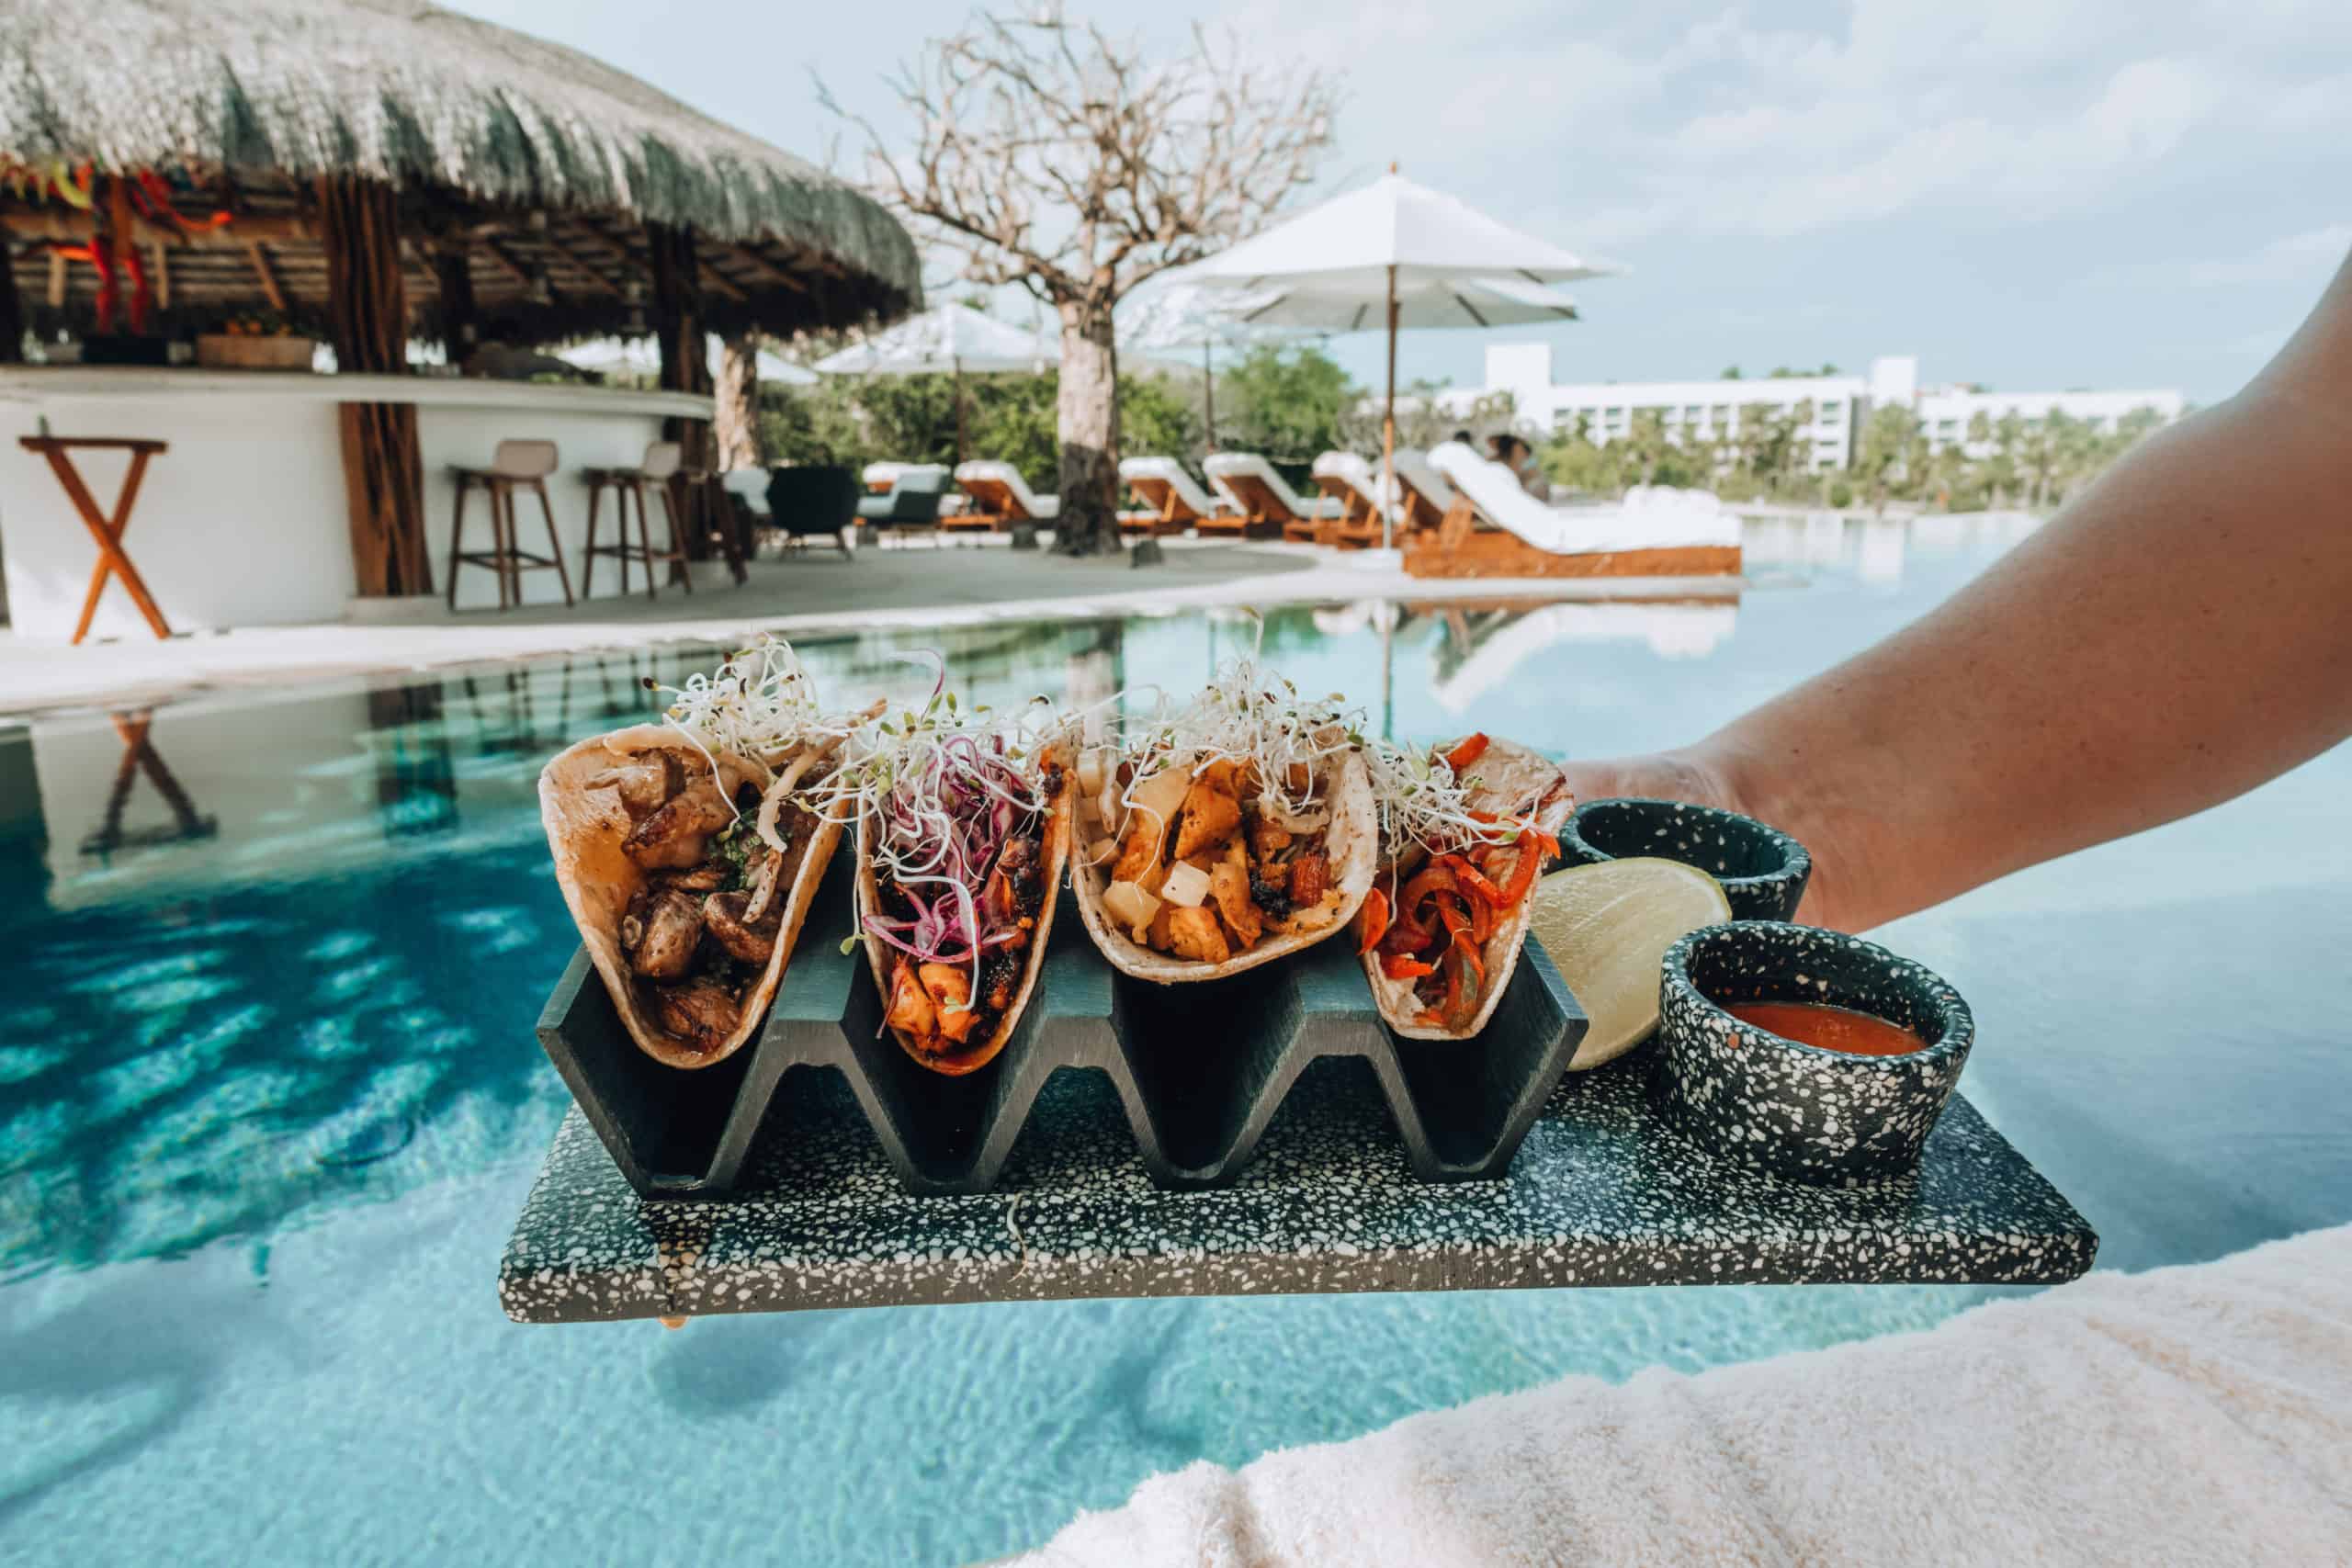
(946, 340)
(1396, 255)
(1183, 318)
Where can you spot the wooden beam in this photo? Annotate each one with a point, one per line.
(555, 243)
(712, 280)
(159, 266)
(505, 259)
(49, 223)
(268, 275)
(766, 268)
(56, 281)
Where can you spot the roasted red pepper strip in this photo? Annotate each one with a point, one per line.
(1471, 749)
(1473, 879)
(1522, 876)
(1428, 879)
(1372, 922)
(1397, 966)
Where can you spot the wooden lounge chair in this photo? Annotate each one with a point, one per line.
(1354, 483)
(1265, 506)
(1175, 498)
(1496, 529)
(1001, 498)
(1423, 495)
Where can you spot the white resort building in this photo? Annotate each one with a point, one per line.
(1840, 402)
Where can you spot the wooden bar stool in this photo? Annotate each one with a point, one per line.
(516, 465)
(659, 462)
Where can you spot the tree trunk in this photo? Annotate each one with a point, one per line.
(460, 322)
(368, 311)
(1088, 415)
(738, 426)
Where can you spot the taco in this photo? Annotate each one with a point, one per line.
(1465, 832)
(962, 830)
(686, 857)
(1238, 833)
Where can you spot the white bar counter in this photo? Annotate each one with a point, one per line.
(244, 522)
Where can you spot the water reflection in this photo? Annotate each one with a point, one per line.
(266, 954)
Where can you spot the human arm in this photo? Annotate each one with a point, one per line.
(2177, 635)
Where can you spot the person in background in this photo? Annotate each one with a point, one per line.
(2178, 634)
(1464, 436)
(1519, 458)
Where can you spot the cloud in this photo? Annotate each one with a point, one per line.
(2307, 259)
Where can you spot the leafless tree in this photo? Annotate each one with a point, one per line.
(1052, 156)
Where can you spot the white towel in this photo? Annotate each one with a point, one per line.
(2198, 1414)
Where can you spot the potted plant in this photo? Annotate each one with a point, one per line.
(262, 341)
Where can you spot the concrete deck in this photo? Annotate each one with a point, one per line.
(917, 584)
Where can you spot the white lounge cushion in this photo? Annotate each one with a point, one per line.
(1361, 474)
(1414, 473)
(1038, 506)
(1171, 473)
(1651, 517)
(883, 473)
(1223, 466)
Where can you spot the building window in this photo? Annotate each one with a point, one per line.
(1832, 412)
(1722, 411)
(1947, 428)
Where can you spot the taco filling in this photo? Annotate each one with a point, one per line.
(958, 834)
(1460, 847)
(700, 932)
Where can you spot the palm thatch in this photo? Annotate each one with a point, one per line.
(546, 162)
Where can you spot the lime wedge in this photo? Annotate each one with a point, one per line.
(1607, 927)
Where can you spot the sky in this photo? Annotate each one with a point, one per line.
(2029, 193)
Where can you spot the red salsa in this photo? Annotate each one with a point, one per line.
(1830, 1027)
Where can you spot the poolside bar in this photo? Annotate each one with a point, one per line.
(233, 239)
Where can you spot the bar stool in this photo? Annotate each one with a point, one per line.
(660, 461)
(515, 464)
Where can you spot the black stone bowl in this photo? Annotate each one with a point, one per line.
(1775, 1105)
(1762, 870)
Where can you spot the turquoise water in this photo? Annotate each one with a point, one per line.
(270, 1101)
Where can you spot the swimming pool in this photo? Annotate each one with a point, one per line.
(269, 1102)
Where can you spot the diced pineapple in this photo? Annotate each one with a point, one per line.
(1187, 885)
(1130, 906)
(1100, 851)
(1091, 773)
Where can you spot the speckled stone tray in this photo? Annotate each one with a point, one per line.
(1200, 1070)
(1601, 1194)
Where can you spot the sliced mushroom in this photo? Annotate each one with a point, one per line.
(677, 834)
(645, 784)
(701, 1012)
(765, 882)
(754, 943)
(673, 925)
(708, 877)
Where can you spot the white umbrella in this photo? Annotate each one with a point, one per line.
(946, 340)
(1183, 318)
(642, 356)
(1395, 255)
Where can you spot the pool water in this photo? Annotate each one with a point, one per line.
(269, 1102)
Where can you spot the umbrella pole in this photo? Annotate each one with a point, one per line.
(1388, 428)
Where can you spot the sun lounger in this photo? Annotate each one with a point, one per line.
(1265, 506)
(1175, 498)
(1422, 493)
(1001, 498)
(910, 507)
(1354, 484)
(1496, 529)
(880, 477)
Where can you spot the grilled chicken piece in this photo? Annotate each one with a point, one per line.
(676, 835)
(950, 986)
(912, 1012)
(1310, 877)
(701, 1012)
(1139, 850)
(1212, 811)
(753, 942)
(1194, 933)
(1229, 889)
(1268, 838)
(708, 877)
(643, 785)
(668, 930)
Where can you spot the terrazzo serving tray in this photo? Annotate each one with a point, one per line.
(1602, 1193)
(1199, 1071)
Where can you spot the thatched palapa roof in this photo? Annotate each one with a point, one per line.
(543, 161)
